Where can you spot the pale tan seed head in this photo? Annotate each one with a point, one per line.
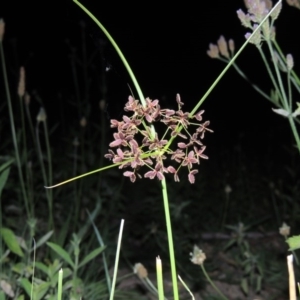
(140, 270)
(83, 122)
(222, 45)
(213, 51)
(21, 86)
(2, 29)
(285, 230)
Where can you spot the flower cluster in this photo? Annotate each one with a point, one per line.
(257, 11)
(220, 50)
(137, 144)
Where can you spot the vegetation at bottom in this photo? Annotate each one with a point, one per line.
(223, 224)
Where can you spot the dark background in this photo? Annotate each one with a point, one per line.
(166, 48)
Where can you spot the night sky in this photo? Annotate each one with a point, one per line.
(166, 48)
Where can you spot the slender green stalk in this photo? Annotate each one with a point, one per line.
(281, 87)
(295, 76)
(101, 243)
(159, 276)
(13, 131)
(76, 255)
(84, 175)
(212, 283)
(118, 50)
(231, 62)
(50, 173)
(170, 239)
(33, 268)
(195, 109)
(43, 169)
(289, 89)
(24, 146)
(29, 119)
(59, 286)
(255, 87)
(285, 102)
(116, 261)
(186, 287)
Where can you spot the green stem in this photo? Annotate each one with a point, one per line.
(40, 155)
(118, 50)
(282, 90)
(270, 73)
(27, 170)
(212, 283)
(50, 173)
(255, 87)
(295, 76)
(13, 131)
(170, 239)
(195, 109)
(285, 100)
(159, 276)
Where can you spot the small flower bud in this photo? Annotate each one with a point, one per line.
(285, 230)
(228, 189)
(41, 117)
(213, 51)
(245, 19)
(231, 46)
(294, 3)
(222, 45)
(289, 62)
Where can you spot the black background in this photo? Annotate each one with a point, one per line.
(166, 47)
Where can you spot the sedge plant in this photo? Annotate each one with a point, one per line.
(137, 145)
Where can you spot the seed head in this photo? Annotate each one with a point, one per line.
(289, 62)
(222, 45)
(140, 270)
(285, 230)
(245, 19)
(198, 256)
(41, 117)
(231, 46)
(21, 86)
(294, 3)
(134, 147)
(83, 122)
(276, 11)
(255, 38)
(213, 51)
(2, 29)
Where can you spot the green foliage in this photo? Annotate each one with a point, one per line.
(10, 240)
(294, 242)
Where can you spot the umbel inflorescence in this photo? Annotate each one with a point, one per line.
(136, 143)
